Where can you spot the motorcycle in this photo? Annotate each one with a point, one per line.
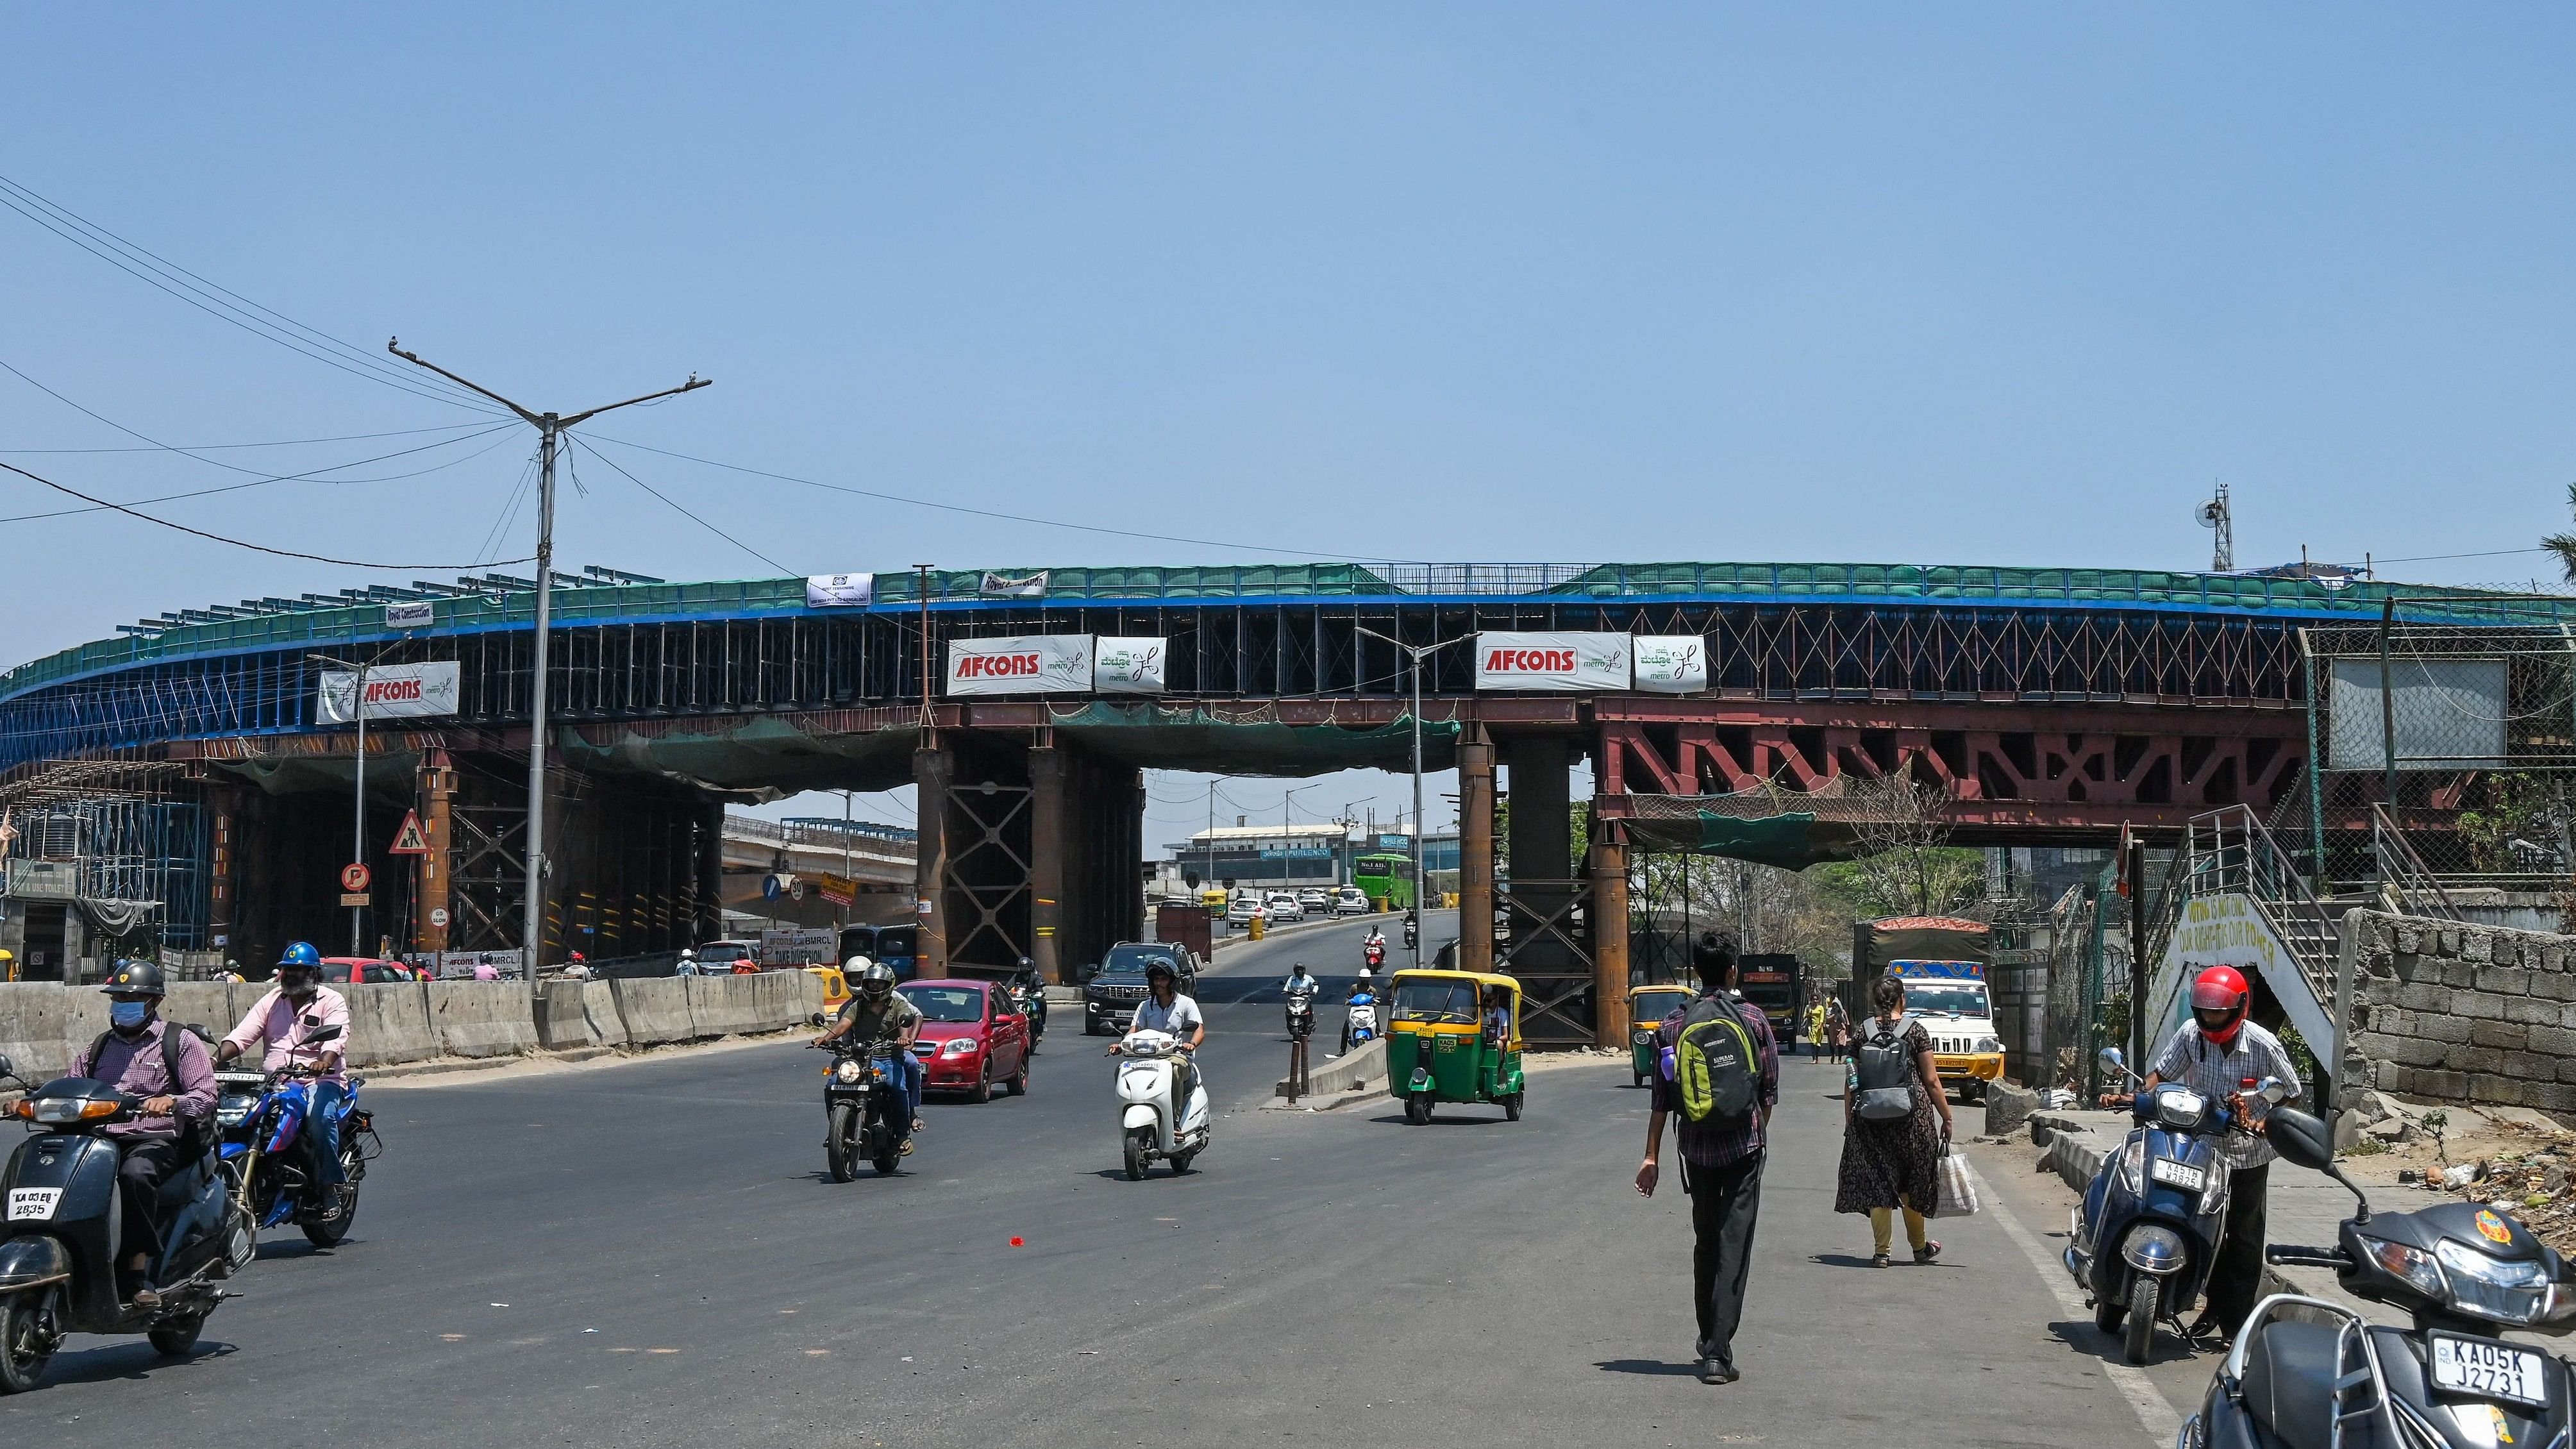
(1030, 998)
(2143, 1240)
(57, 1273)
(1155, 1066)
(2464, 1273)
(1359, 1019)
(1375, 954)
(866, 1113)
(1409, 930)
(268, 1160)
(1301, 1015)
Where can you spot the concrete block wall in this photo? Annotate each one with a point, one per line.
(2449, 1012)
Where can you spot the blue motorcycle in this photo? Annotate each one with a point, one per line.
(269, 1158)
(2147, 1232)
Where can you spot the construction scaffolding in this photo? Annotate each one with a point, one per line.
(134, 836)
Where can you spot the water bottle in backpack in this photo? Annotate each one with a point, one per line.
(1883, 1070)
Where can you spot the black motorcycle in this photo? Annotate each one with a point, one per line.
(2463, 1273)
(1029, 995)
(1301, 1015)
(865, 1112)
(58, 1274)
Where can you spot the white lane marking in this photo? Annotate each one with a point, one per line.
(2154, 1415)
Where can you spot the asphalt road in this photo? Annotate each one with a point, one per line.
(649, 1254)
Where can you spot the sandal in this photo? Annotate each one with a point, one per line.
(1930, 1250)
(1879, 1261)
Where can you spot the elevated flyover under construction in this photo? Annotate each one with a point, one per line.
(1728, 708)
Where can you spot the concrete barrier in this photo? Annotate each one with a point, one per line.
(202, 1003)
(725, 1005)
(388, 1023)
(481, 1018)
(1362, 1070)
(32, 1028)
(653, 1012)
(599, 1014)
(2007, 1107)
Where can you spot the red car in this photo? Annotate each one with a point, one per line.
(972, 1037)
(364, 971)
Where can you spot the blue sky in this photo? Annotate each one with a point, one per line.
(1493, 282)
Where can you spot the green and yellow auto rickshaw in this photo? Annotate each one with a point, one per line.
(1647, 1008)
(1454, 1036)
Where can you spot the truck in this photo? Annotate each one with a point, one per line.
(1772, 982)
(1942, 960)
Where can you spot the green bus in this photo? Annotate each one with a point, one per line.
(1387, 880)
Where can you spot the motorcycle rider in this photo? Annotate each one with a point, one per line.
(1299, 983)
(2220, 1053)
(688, 963)
(284, 1021)
(876, 1013)
(137, 1056)
(1165, 1009)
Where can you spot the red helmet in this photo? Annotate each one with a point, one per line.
(2219, 997)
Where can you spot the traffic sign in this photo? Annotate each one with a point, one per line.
(409, 840)
(353, 898)
(770, 888)
(355, 878)
(438, 915)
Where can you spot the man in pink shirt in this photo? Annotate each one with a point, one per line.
(286, 1021)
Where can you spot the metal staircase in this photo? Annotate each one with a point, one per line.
(2230, 853)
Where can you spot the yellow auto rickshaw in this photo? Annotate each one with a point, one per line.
(1647, 1008)
(1454, 1036)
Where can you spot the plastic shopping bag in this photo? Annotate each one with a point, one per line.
(1958, 1190)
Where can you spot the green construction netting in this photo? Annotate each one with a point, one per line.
(1247, 742)
(1789, 841)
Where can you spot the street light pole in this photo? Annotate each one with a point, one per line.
(358, 832)
(550, 429)
(1414, 653)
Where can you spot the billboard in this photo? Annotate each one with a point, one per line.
(1127, 665)
(839, 591)
(1559, 663)
(1671, 663)
(395, 691)
(1022, 664)
(2450, 714)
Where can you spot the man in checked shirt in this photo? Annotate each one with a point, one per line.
(2219, 1053)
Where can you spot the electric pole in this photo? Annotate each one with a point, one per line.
(550, 428)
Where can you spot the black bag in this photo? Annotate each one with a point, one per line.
(1884, 1067)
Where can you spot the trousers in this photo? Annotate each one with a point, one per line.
(147, 1163)
(2236, 1273)
(1724, 1204)
(322, 1130)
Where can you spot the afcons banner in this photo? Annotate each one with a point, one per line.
(396, 691)
(1671, 663)
(1557, 663)
(1027, 664)
(1127, 665)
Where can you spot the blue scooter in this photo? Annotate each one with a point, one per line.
(2146, 1234)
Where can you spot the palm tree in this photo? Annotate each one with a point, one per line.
(2564, 544)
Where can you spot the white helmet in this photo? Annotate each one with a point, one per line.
(856, 964)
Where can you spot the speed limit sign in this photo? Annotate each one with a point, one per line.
(438, 915)
(354, 878)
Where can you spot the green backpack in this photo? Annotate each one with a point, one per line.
(1715, 1069)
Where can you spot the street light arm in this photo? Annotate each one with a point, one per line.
(394, 346)
(692, 385)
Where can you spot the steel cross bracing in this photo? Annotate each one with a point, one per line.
(661, 668)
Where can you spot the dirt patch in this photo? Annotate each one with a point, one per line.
(2517, 1162)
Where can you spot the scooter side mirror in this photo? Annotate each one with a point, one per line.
(6, 1068)
(816, 1020)
(2300, 1138)
(2112, 1059)
(2273, 1090)
(328, 1033)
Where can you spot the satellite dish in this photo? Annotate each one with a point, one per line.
(2210, 514)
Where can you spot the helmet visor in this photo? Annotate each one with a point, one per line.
(2215, 996)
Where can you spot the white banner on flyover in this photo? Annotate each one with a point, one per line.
(396, 691)
(1671, 663)
(1027, 664)
(1556, 662)
(1127, 665)
(839, 591)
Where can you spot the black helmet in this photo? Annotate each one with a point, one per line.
(136, 978)
(876, 981)
(1160, 967)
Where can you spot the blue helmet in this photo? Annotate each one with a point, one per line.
(301, 953)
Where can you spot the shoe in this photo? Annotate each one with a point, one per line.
(918, 1124)
(146, 1299)
(1930, 1250)
(904, 1149)
(1878, 1260)
(335, 1201)
(1717, 1371)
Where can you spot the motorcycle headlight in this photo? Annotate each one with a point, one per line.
(2177, 1108)
(2133, 1165)
(2494, 1288)
(964, 1046)
(2411, 1264)
(847, 1072)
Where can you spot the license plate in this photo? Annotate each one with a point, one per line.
(2489, 1370)
(33, 1204)
(2179, 1174)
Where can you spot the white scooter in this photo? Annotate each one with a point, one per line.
(1154, 1064)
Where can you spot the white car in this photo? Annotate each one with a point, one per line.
(1313, 902)
(1242, 911)
(1283, 907)
(1350, 901)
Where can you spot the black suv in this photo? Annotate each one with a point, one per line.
(1109, 998)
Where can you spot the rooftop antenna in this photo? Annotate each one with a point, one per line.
(2214, 515)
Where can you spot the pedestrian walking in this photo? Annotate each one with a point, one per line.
(1723, 1079)
(1815, 1032)
(1896, 1127)
(1837, 1027)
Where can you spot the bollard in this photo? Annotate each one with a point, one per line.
(1255, 929)
(1296, 1068)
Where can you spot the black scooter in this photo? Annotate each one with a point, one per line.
(2305, 1372)
(1029, 995)
(59, 1253)
(865, 1111)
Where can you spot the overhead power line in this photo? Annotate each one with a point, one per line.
(302, 477)
(227, 447)
(675, 507)
(354, 563)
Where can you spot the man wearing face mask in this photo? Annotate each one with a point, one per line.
(286, 1020)
(169, 1070)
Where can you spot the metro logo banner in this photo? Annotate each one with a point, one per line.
(1672, 663)
(1026, 664)
(396, 691)
(1553, 662)
(1127, 665)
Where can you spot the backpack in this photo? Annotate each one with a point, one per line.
(1884, 1070)
(1716, 1071)
(192, 1133)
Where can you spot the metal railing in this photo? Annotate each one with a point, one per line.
(813, 836)
(2229, 852)
(2404, 872)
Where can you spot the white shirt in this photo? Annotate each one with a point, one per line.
(2206, 1067)
(1180, 1018)
(1299, 982)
